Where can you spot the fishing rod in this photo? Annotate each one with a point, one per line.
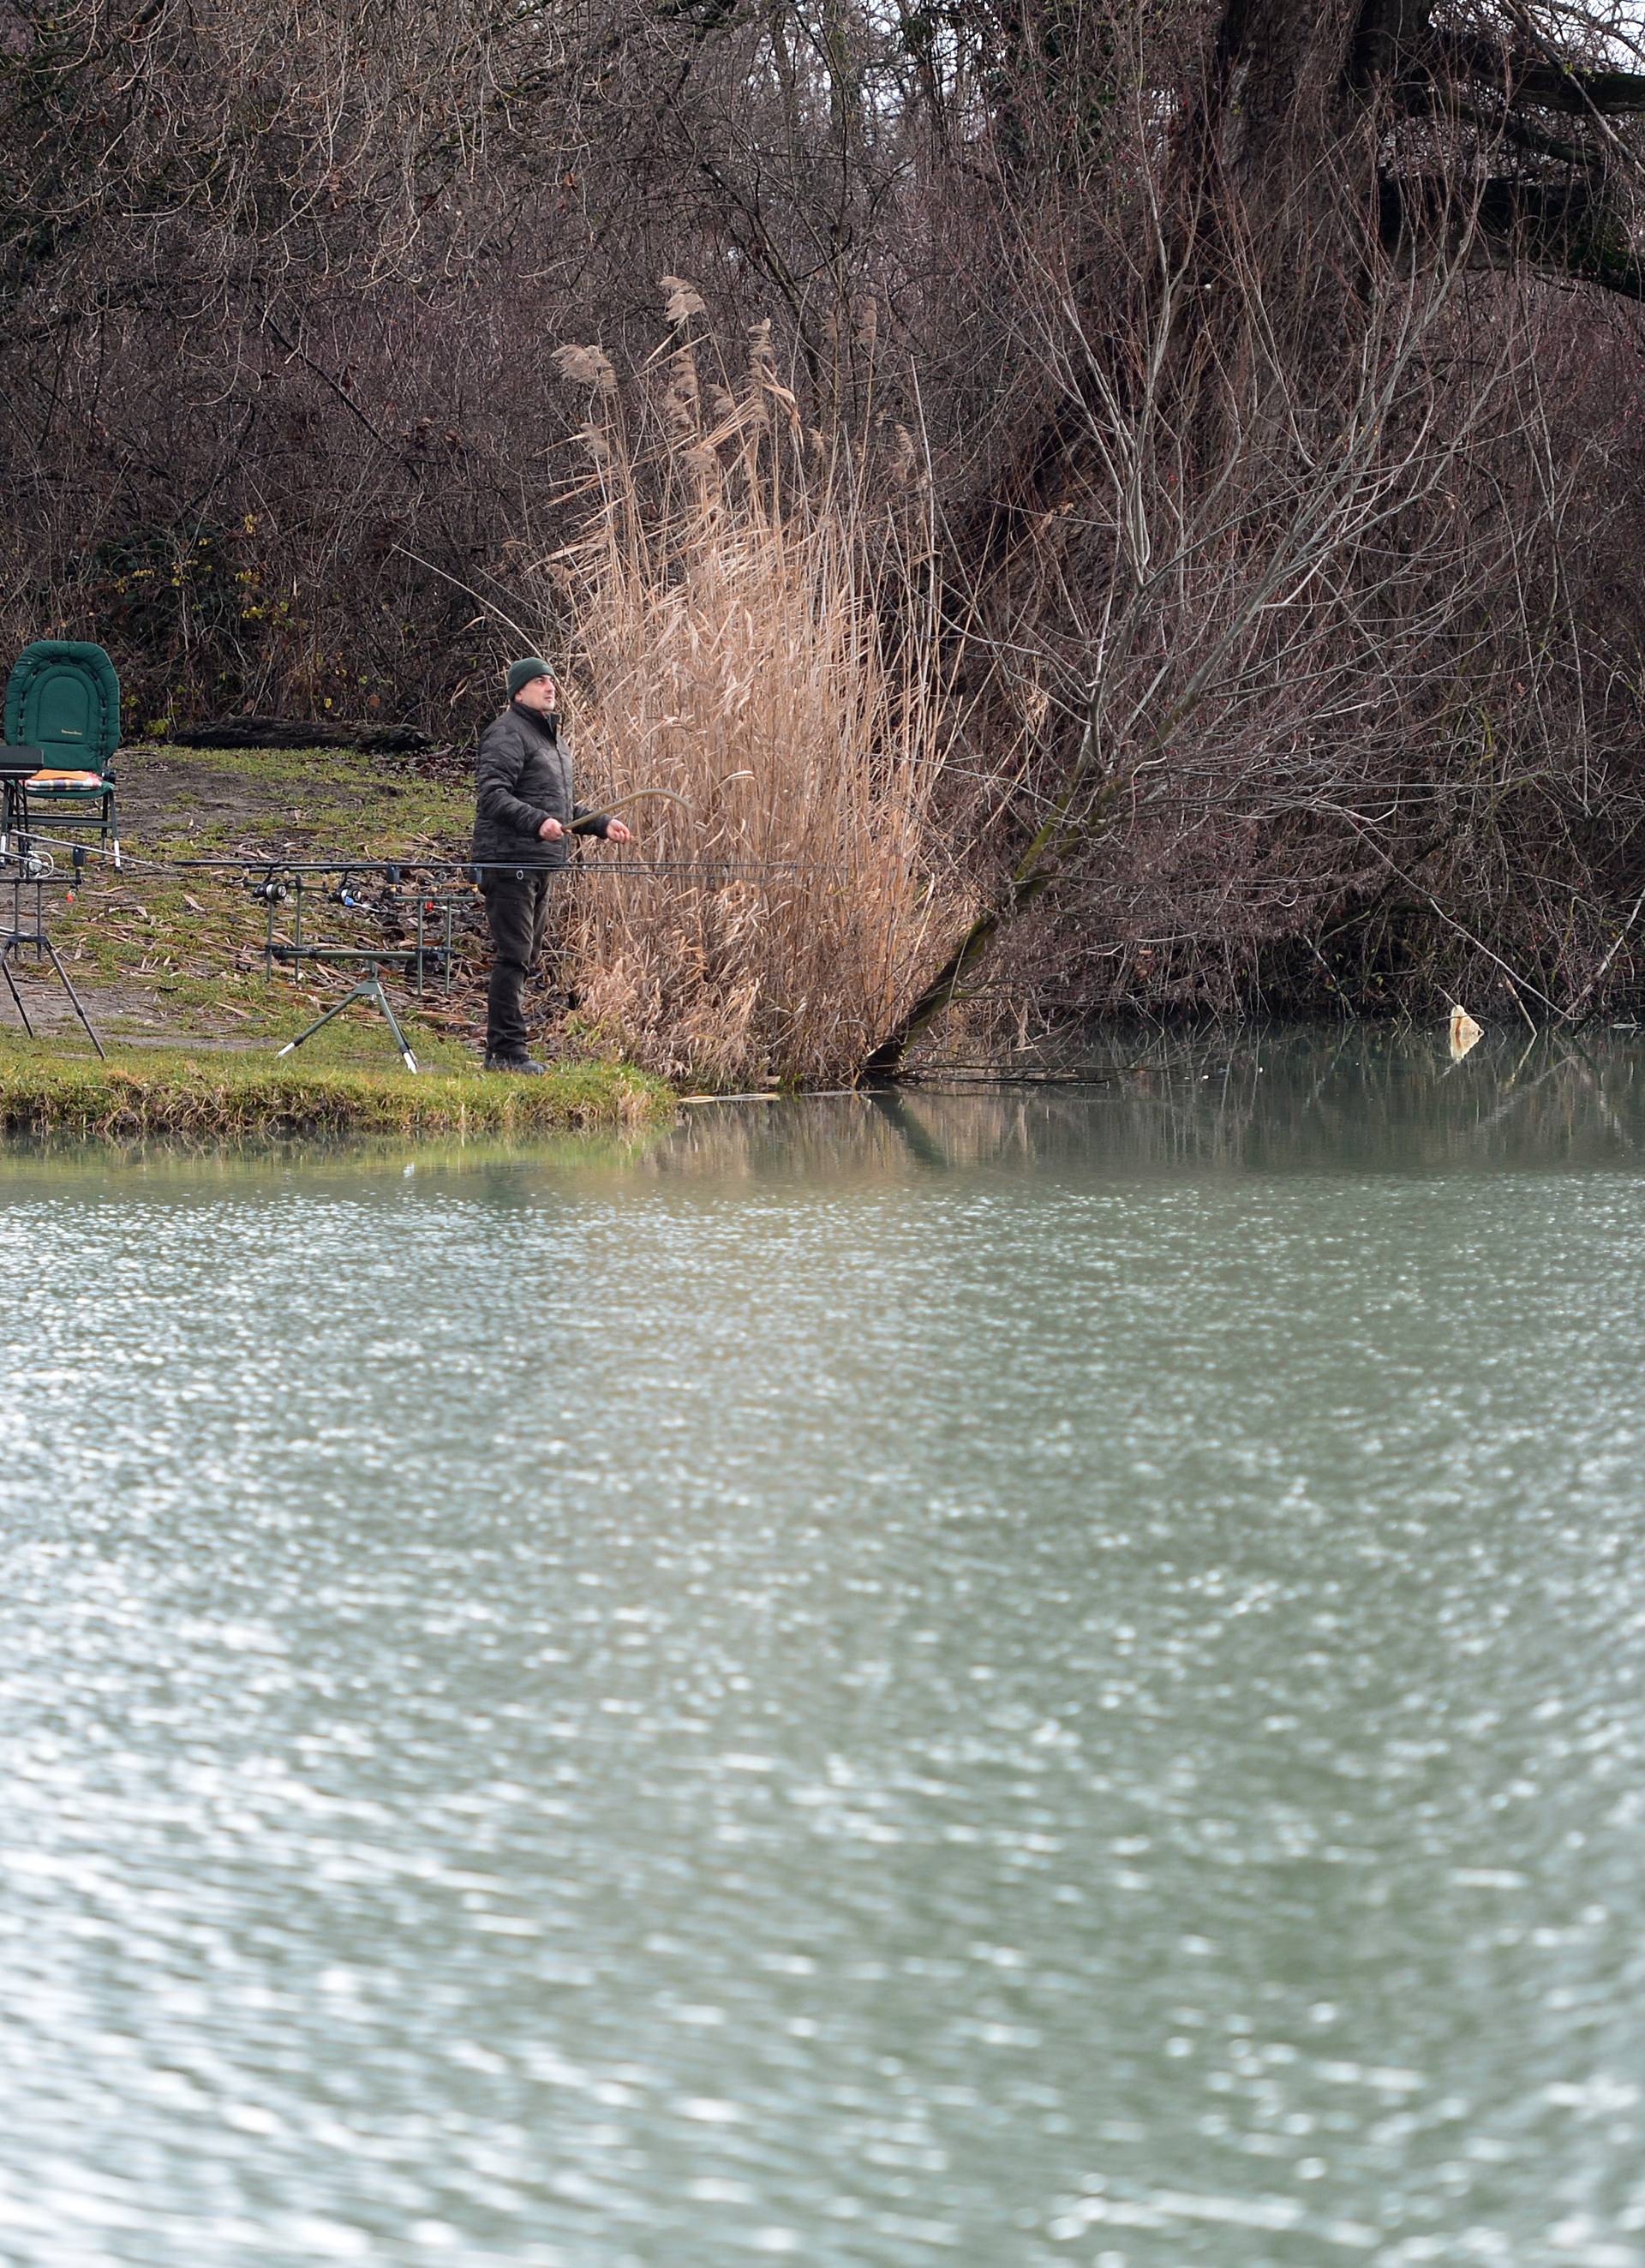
(81, 851)
(414, 892)
(122, 857)
(417, 902)
(118, 856)
(269, 861)
(591, 820)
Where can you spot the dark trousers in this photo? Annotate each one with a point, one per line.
(517, 908)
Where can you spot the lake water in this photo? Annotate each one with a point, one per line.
(997, 1678)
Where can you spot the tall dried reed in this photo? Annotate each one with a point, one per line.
(751, 633)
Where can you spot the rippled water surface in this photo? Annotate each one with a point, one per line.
(994, 1679)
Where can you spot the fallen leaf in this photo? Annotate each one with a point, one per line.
(1465, 1033)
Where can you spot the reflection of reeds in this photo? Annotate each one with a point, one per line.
(1361, 1099)
(751, 634)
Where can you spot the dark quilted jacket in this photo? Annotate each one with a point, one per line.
(521, 777)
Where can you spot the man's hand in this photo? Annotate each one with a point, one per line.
(551, 830)
(616, 832)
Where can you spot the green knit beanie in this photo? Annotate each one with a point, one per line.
(521, 672)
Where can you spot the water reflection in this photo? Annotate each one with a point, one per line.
(1350, 1100)
(1356, 1096)
(997, 1678)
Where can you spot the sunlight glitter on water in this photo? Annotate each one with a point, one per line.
(995, 1680)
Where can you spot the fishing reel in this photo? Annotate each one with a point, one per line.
(348, 892)
(269, 889)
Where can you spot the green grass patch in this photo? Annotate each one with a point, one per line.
(209, 1097)
(337, 803)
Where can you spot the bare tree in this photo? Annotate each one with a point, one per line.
(1277, 366)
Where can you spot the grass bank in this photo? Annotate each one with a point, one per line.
(46, 1089)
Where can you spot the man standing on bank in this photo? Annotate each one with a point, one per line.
(522, 817)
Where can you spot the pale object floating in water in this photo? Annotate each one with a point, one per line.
(1465, 1033)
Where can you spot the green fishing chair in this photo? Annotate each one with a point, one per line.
(63, 698)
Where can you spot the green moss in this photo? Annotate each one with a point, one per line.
(212, 1096)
